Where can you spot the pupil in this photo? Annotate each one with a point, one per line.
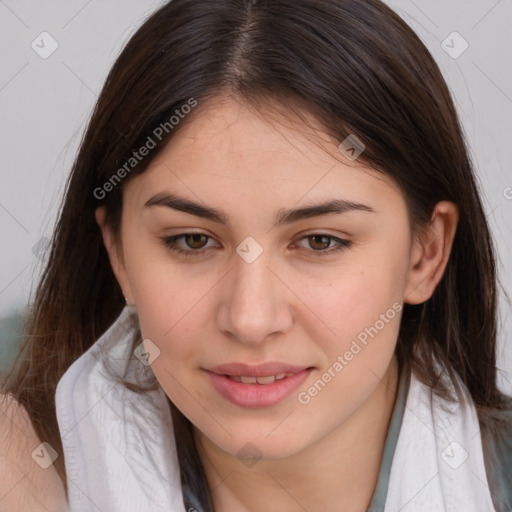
(196, 237)
(321, 237)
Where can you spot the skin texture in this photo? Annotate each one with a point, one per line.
(290, 305)
(25, 485)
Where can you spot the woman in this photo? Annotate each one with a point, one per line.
(272, 284)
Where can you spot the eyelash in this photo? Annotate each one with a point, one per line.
(170, 243)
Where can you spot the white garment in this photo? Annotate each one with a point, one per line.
(438, 464)
(119, 446)
(120, 451)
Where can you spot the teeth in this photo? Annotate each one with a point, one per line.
(248, 380)
(266, 380)
(259, 380)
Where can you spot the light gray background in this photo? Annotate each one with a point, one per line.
(45, 104)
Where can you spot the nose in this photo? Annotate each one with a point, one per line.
(255, 302)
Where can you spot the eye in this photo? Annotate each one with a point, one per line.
(320, 243)
(195, 243)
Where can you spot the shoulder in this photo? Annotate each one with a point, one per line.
(26, 483)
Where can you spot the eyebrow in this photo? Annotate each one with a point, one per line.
(283, 217)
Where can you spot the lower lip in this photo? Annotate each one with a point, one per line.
(257, 395)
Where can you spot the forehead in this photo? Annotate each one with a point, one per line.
(228, 148)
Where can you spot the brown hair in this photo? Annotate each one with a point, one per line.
(359, 69)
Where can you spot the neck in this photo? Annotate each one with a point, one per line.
(337, 472)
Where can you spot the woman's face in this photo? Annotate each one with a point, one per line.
(266, 286)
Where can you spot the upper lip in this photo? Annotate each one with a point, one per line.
(256, 370)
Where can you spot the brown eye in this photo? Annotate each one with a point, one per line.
(323, 243)
(319, 242)
(196, 240)
(188, 244)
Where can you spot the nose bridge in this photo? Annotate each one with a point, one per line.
(254, 304)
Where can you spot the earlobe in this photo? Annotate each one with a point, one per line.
(114, 254)
(430, 253)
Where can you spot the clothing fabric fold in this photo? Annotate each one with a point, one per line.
(120, 448)
(119, 445)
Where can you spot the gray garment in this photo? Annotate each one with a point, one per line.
(497, 442)
(381, 489)
(497, 434)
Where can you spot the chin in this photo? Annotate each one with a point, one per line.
(255, 447)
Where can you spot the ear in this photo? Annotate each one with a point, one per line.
(115, 254)
(430, 252)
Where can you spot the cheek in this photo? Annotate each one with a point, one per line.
(168, 293)
(172, 317)
(172, 322)
(360, 314)
(354, 298)
(171, 310)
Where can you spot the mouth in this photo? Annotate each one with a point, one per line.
(257, 386)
